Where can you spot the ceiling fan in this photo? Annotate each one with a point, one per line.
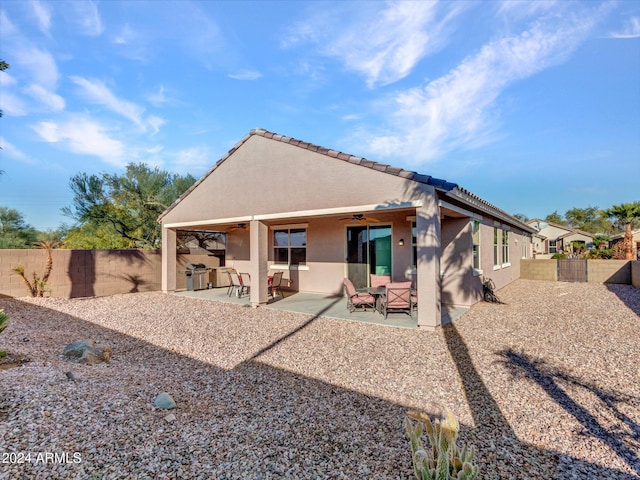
(360, 218)
(240, 226)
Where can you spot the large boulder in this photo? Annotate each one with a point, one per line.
(87, 352)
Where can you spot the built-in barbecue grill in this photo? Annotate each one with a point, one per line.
(197, 276)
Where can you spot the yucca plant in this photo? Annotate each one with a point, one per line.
(442, 459)
(3, 324)
(37, 285)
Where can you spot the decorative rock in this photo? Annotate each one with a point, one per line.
(88, 352)
(170, 418)
(164, 401)
(70, 376)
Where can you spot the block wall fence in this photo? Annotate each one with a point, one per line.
(598, 271)
(88, 273)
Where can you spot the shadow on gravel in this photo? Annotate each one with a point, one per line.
(254, 421)
(493, 429)
(628, 294)
(625, 444)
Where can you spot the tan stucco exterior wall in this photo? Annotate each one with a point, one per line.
(635, 274)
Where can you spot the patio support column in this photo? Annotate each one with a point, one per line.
(169, 263)
(258, 268)
(428, 264)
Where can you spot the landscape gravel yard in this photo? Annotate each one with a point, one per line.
(545, 385)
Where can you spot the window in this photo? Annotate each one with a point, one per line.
(496, 249)
(290, 246)
(475, 232)
(552, 246)
(505, 247)
(414, 245)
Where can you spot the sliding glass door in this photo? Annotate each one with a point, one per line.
(368, 251)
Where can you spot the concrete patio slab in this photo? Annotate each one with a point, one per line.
(323, 305)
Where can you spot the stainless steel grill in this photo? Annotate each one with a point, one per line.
(197, 276)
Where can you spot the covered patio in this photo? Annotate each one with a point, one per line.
(322, 305)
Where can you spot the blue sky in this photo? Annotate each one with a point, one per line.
(534, 106)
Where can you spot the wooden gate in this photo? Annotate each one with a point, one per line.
(572, 270)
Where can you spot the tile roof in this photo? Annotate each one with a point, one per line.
(453, 189)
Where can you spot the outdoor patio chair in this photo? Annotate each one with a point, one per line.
(379, 280)
(231, 287)
(274, 286)
(357, 300)
(397, 298)
(238, 286)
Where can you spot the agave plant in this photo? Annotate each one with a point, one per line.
(442, 459)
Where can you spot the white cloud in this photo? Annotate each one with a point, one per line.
(245, 75)
(383, 44)
(50, 100)
(631, 29)
(97, 92)
(42, 12)
(193, 158)
(458, 109)
(83, 136)
(87, 17)
(14, 152)
(40, 65)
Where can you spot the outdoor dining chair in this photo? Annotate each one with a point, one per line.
(397, 298)
(274, 286)
(379, 280)
(239, 283)
(357, 300)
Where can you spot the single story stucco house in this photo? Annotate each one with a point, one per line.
(321, 215)
(551, 238)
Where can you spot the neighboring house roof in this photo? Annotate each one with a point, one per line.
(569, 230)
(452, 190)
(620, 236)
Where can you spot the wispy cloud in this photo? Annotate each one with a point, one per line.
(458, 110)
(87, 17)
(81, 135)
(631, 29)
(13, 152)
(42, 12)
(383, 44)
(245, 75)
(97, 92)
(51, 100)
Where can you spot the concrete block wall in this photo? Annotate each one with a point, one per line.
(635, 274)
(609, 271)
(598, 271)
(82, 273)
(539, 270)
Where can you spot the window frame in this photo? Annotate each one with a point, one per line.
(288, 265)
(476, 246)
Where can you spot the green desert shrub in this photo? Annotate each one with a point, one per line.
(442, 459)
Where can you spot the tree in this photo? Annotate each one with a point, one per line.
(555, 217)
(126, 205)
(3, 66)
(522, 217)
(14, 232)
(626, 214)
(590, 219)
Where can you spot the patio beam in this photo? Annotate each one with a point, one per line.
(258, 258)
(428, 266)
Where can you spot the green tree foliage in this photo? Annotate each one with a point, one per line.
(3, 66)
(555, 217)
(126, 206)
(590, 219)
(14, 232)
(626, 214)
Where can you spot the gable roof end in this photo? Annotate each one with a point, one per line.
(442, 185)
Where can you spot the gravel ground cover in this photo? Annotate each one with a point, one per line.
(546, 386)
